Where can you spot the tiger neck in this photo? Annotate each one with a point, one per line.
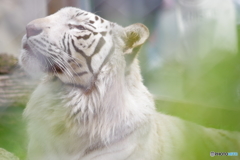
(106, 112)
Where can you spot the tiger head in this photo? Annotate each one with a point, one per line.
(76, 46)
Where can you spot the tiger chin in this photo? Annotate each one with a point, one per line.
(92, 104)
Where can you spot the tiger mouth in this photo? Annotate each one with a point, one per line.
(27, 47)
(47, 64)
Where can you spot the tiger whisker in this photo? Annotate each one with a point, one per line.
(67, 72)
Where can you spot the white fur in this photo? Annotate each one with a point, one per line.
(114, 119)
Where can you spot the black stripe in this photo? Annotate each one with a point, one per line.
(88, 59)
(75, 85)
(95, 33)
(55, 56)
(38, 48)
(103, 33)
(100, 44)
(79, 14)
(81, 73)
(74, 61)
(60, 43)
(40, 43)
(85, 37)
(91, 43)
(45, 40)
(63, 42)
(91, 22)
(51, 50)
(51, 44)
(69, 50)
(71, 60)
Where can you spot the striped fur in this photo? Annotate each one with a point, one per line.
(92, 104)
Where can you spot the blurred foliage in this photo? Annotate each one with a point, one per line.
(7, 63)
(203, 90)
(213, 85)
(12, 130)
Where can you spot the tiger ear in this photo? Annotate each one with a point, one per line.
(135, 35)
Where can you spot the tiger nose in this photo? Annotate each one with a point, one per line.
(33, 30)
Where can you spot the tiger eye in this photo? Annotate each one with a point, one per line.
(80, 27)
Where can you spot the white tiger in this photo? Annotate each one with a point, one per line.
(92, 105)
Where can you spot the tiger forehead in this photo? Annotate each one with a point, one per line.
(78, 15)
(91, 18)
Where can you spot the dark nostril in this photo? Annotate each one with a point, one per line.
(32, 30)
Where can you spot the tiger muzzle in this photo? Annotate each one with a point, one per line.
(32, 30)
